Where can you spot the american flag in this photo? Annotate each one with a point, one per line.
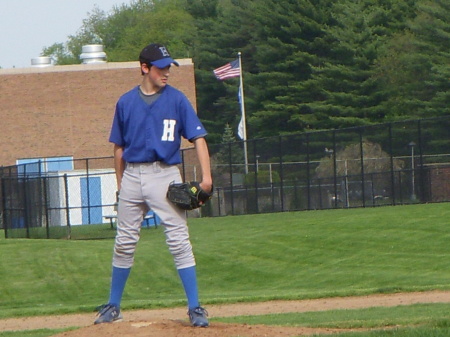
(229, 70)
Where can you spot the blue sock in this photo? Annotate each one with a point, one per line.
(188, 277)
(118, 280)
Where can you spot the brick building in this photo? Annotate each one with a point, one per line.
(66, 111)
(438, 180)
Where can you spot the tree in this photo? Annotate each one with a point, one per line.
(348, 161)
(413, 66)
(227, 153)
(228, 135)
(287, 43)
(341, 91)
(432, 29)
(59, 53)
(348, 165)
(162, 21)
(127, 28)
(89, 33)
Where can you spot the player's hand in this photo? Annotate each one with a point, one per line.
(206, 186)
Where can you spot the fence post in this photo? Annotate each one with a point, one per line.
(255, 159)
(280, 151)
(392, 164)
(308, 173)
(218, 200)
(296, 198)
(5, 226)
(230, 166)
(47, 221)
(421, 168)
(361, 147)
(246, 198)
(272, 195)
(66, 190)
(88, 192)
(183, 167)
(40, 215)
(25, 207)
(372, 192)
(319, 180)
(335, 170)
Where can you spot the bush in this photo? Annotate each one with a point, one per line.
(263, 177)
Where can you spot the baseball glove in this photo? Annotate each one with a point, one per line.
(188, 195)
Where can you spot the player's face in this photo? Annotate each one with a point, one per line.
(159, 77)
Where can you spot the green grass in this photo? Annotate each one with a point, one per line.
(369, 318)
(405, 332)
(32, 333)
(295, 255)
(421, 320)
(85, 232)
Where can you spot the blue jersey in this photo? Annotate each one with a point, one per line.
(150, 133)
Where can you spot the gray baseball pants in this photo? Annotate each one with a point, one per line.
(144, 187)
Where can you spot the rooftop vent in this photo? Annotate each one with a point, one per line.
(93, 54)
(41, 61)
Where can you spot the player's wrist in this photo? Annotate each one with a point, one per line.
(206, 186)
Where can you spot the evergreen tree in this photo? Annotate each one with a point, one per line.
(432, 29)
(228, 135)
(288, 42)
(414, 67)
(342, 91)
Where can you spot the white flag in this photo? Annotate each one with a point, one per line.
(241, 129)
(241, 123)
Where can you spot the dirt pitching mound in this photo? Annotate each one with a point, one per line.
(173, 322)
(170, 328)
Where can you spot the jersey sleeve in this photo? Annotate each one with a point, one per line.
(192, 127)
(116, 134)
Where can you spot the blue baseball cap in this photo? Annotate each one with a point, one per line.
(157, 55)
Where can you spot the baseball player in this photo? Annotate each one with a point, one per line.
(146, 132)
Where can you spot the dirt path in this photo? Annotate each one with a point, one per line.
(173, 322)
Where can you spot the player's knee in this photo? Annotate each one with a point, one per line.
(125, 250)
(123, 256)
(179, 248)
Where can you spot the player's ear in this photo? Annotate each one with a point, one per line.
(145, 69)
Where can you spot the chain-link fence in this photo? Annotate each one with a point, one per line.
(37, 203)
(389, 164)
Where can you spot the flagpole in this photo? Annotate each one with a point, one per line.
(244, 124)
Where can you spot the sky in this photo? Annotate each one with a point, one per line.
(27, 26)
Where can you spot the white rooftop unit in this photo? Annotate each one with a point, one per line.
(41, 61)
(93, 54)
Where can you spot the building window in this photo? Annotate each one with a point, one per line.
(39, 166)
